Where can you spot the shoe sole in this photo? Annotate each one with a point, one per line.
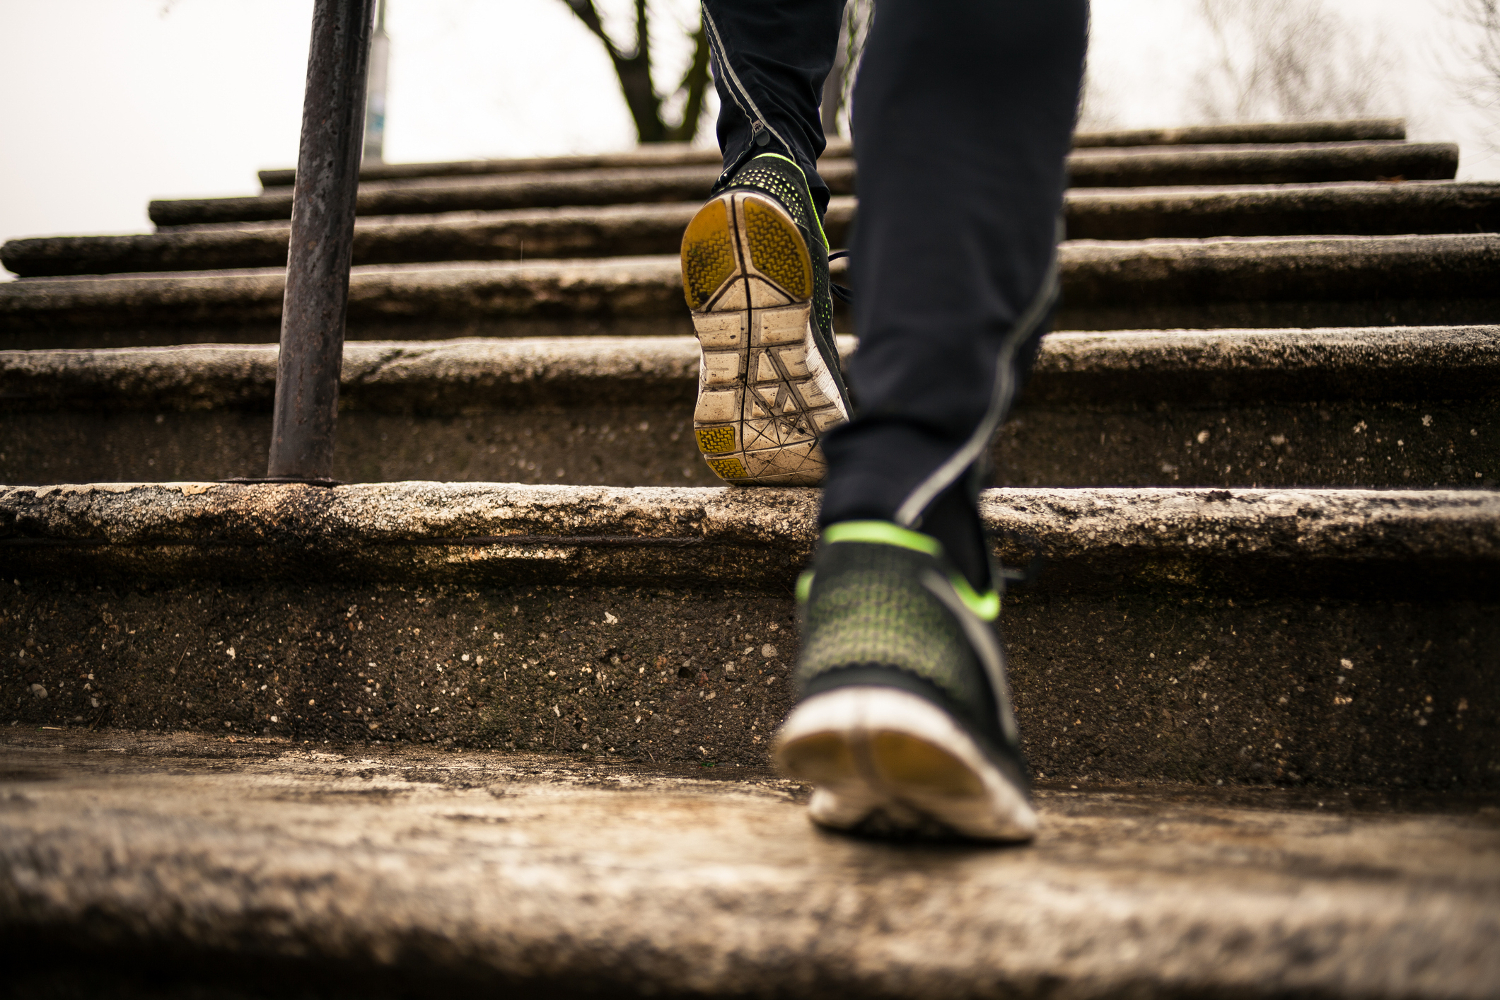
(887, 761)
(765, 396)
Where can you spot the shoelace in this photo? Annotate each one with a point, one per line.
(841, 292)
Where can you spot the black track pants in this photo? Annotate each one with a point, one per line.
(963, 116)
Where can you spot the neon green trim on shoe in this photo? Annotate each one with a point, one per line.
(821, 235)
(986, 605)
(882, 533)
(804, 585)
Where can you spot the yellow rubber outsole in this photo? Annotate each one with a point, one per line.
(765, 397)
(898, 760)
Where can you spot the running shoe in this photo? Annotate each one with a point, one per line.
(755, 274)
(904, 724)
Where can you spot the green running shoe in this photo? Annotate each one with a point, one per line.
(904, 723)
(755, 274)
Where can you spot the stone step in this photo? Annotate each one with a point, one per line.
(1329, 637)
(142, 865)
(655, 156)
(1356, 208)
(1107, 285)
(676, 154)
(1337, 130)
(1101, 167)
(1371, 407)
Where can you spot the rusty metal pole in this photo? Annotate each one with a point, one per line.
(317, 272)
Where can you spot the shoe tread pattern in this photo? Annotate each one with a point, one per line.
(765, 396)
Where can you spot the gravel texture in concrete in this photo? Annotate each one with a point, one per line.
(1322, 637)
(1405, 407)
(183, 866)
(754, 536)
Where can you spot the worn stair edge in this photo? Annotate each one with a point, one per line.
(1372, 408)
(1155, 284)
(1103, 167)
(413, 872)
(1347, 209)
(1337, 130)
(745, 536)
(1322, 636)
(675, 154)
(477, 375)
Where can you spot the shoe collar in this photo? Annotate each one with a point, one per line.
(986, 606)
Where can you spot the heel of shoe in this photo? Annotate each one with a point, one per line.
(887, 759)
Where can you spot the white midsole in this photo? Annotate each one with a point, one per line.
(856, 713)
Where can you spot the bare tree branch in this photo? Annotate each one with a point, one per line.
(1479, 47)
(694, 85)
(585, 11)
(1285, 59)
(634, 72)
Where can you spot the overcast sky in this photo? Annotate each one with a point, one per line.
(109, 103)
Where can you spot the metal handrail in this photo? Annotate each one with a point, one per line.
(317, 274)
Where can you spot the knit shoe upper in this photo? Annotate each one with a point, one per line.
(755, 275)
(904, 720)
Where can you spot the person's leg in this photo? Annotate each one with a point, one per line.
(963, 117)
(963, 114)
(754, 257)
(770, 58)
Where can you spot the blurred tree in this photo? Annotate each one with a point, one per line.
(634, 71)
(1287, 59)
(1479, 42)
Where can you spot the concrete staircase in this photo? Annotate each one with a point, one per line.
(497, 714)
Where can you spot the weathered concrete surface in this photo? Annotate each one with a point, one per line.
(1361, 407)
(679, 154)
(621, 230)
(1305, 163)
(1351, 209)
(1341, 130)
(180, 866)
(1270, 282)
(1072, 369)
(455, 376)
(656, 155)
(1345, 443)
(1302, 636)
(626, 295)
(740, 536)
